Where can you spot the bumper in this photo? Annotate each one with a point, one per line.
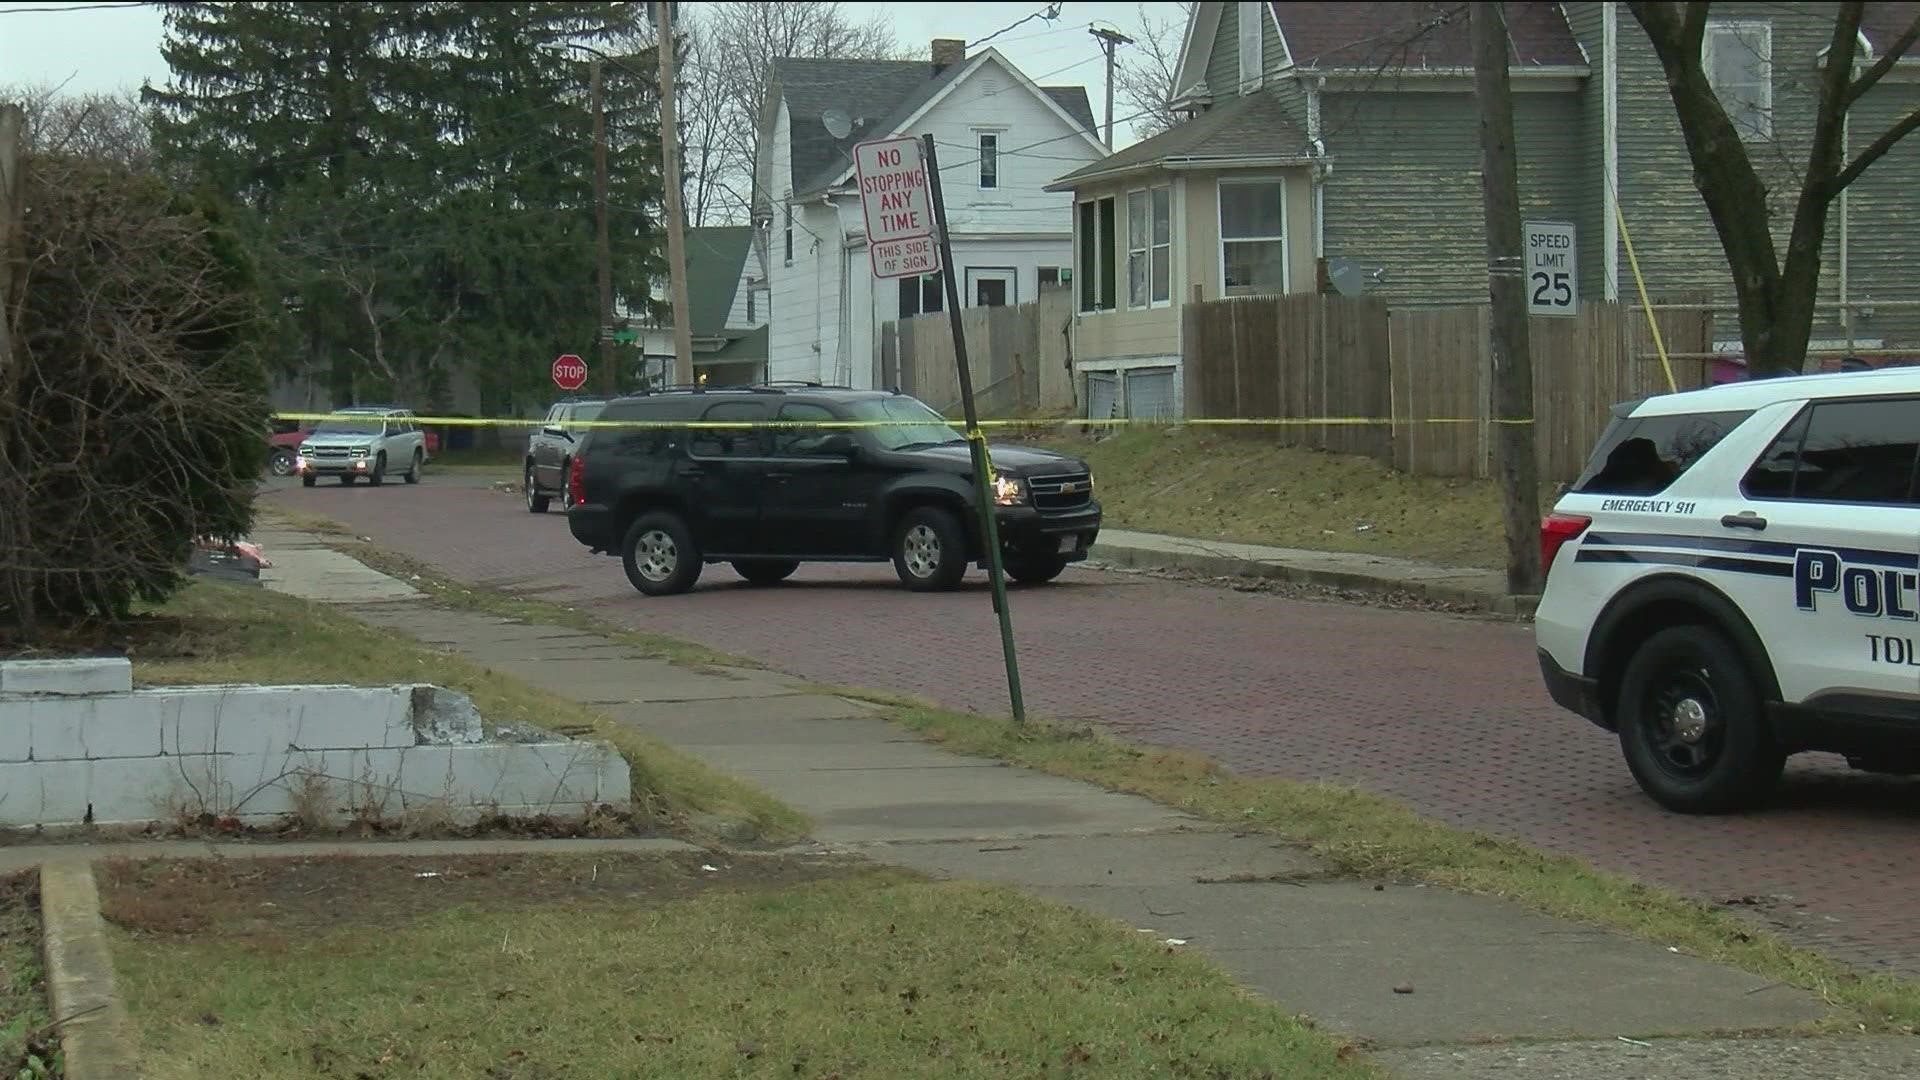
(1575, 693)
(336, 466)
(592, 525)
(1032, 533)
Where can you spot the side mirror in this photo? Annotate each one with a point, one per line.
(839, 444)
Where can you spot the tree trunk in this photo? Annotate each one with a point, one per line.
(1506, 290)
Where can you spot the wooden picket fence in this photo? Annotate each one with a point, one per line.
(1018, 357)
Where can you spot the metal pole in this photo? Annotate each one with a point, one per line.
(976, 442)
(676, 219)
(13, 123)
(603, 241)
(1109, 41)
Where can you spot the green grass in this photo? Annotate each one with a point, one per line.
(29, 1048)
(1242, 488)
(870, 976)
(230, 634)
(1372, 836)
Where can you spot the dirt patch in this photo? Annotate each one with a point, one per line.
(275, 896)
(29, 1043)
(149, 636)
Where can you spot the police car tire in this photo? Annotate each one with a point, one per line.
(1749, 763)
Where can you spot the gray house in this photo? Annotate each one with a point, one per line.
(1347, 133)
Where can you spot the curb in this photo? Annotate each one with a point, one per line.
(1137, 558)
(96, 1036)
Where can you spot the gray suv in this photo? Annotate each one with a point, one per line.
(370, 441)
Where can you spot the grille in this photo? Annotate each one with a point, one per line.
(326, 451)
(1065, 492)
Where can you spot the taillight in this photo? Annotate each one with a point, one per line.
(1555, 531)
(577, 481)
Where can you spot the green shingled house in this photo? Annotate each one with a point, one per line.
(1345, 134)
(726, 307)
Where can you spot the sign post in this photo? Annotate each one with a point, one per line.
(907, 237)
(569, 372)
(1553, 271)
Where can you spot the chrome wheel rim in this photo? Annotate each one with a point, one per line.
(281, 464)
(527, 486)
(655, 555)
(922, 551)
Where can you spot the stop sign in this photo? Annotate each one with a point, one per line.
(569, 372)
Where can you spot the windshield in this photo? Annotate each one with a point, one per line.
(351, 427)
(908, 423)
(583, 413)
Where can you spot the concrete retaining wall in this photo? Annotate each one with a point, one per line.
(79, 745)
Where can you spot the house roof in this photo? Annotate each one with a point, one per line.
(879, 96)
(748, 345)
(1418, 35)
(1249, 126)
(715, 256)
(1883, 23)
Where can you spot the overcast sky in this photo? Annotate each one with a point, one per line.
(109, 46)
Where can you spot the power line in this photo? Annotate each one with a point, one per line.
(1049, 13)
(68, 7)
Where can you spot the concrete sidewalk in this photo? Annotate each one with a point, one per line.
(1383, 575)
(1426, 976)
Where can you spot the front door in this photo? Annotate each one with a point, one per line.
(721, 477)
(818, 501)
(1834, 494)
(992, 286)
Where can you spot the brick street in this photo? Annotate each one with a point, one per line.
(1446, 714)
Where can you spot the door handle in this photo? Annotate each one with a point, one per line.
(779, 476)
(1746, 519)
(687, 468)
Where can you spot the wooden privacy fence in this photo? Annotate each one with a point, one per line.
(1424, 376)
(1018, 357)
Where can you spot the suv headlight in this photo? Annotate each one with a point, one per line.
(1008, 491)
(358, 451)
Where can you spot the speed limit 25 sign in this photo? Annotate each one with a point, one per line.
(1553, 281)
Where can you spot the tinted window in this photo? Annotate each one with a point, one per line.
(724, 442)
(1645, 455)
(806, 441)
(1843, 451)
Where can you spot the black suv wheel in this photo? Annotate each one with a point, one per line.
(929, 549)
(659, 555)
(536, 502)
(765, 571)
(379, 474)
(1692, 725)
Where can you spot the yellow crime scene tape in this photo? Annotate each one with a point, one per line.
(848, 425)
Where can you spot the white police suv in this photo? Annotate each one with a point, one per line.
(1733, 580)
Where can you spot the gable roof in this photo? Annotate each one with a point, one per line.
(715, 257)
(1417, 35)
(880, 96)
(1252, 128)
(1882, 24)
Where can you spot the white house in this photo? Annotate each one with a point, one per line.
(1000, 140)
(726, 311)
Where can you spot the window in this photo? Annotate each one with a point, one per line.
(1094, 234)
(1250, 40)
(1149, 247)
(989, 162)
(1645, 456)
(1738, 57)
(1862, 452)
(726, 442)
(789, 236)
(1050, 277)
(752, 306)
(583, 414)
(922, 295)
(1253, 246)
(805, 442)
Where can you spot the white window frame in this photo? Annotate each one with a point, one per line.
(788, 235)
(1147, 249)
(1734, 30)
(1252, 43)
(1101, 304)
(980, 137)
(1220, 226)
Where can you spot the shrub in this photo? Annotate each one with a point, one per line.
(132, 416)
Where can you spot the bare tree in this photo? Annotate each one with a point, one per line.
(1144, 78)
(106, 127)
(1776, 300)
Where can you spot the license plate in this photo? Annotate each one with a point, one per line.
(1069, 545)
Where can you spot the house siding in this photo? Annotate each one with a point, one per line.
(1223, 63)
(1881, 225)
(1590, 205)
(1405, 193)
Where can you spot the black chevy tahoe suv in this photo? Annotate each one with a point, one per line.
(670, 499)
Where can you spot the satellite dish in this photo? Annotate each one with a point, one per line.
(838, 123)
(1347, 277)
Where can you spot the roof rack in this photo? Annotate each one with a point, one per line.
(747, 388)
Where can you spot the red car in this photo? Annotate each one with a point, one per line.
(283, 446)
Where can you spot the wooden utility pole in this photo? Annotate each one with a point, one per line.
(13, 127)
(1109, 41)
(603, 242)
(1507, 293)
(676, 218)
